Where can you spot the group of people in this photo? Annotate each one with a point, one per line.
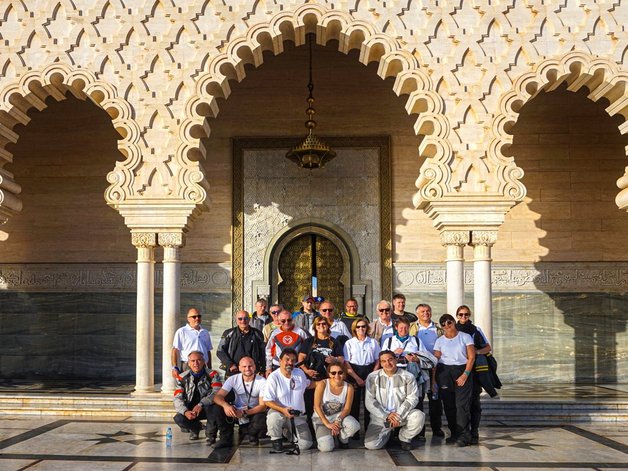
(309, 373)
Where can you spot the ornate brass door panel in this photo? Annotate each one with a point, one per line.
(307, 256)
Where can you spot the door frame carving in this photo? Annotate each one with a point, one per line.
(262, 288)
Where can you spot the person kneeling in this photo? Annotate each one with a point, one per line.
(332, 404)
(246, 408)
(391, 395)
(283, 394)
(194, 396)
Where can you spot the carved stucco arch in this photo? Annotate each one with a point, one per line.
(31, 91)
(374, 46)
(602, 77)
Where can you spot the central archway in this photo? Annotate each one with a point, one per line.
(310, 259)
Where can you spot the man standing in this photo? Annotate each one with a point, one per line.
(304, 318)
(287, 336)
(246, 408)
(338, 328)
(382, 327)
(194, 398)
(351, 313)
(391, 395)
(283, 394)
(240, 341)
(275, 310)
(191, 337)
(399, 305)
(260, 317)
(427, 332)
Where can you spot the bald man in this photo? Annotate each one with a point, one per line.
(239, 342)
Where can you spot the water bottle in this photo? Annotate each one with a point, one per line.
(434, 392)
(168, 437)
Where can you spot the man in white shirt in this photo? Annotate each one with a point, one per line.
(337, 327)
(190, 338)
(283, 394)
(428, 331)
(240, 399)
(391, 395)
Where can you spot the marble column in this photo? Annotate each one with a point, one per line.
(359, 292)
(145, 335)
(455, 242)
(482, 241)
(171, 243)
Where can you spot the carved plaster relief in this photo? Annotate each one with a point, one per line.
(84, 277)
(546, 277)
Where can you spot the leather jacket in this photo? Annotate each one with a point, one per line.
(209, 384)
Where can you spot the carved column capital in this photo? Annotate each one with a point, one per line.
(171, 239)
(486, 238)
(454, 238)
(144, 239)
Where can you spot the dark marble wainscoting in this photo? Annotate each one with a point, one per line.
(561, 337)
(56, 336)
(541, 337)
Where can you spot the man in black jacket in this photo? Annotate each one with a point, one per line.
(241, 341)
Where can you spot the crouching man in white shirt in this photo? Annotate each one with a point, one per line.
(391, 395)
(283, 394)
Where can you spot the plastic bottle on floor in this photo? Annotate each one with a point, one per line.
(168, 437)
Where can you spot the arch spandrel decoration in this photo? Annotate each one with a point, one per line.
(31, 91)
(394, 61)
(602, 77)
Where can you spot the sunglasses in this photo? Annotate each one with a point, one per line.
(360, 327)
(335, 373)
(285, 321)
(243, 318)
(464, 314)
(328, 310)
(321, 324)
(384, 310)
(447, 323)
(194, 317)
(275, 312)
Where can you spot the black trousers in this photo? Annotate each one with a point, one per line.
(359, 394)
(256, 427)
(435, 407)
(456, 399)
(194, 425)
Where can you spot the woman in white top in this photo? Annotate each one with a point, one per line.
(361, 353)
(332, 403)
(456, 354)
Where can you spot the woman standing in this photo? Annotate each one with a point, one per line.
(361, 352)
(481, 376)
(456, 354)
(332, 403)
(316, 353)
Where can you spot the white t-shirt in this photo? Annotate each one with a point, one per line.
(187, 339)
(243, 390)
(365, 352)
(287, 392)
(453, 351)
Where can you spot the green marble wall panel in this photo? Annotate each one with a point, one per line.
(85, 335)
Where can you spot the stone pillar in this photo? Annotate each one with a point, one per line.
(482, 241)
(455, 242)
(171, 243)
(359, 292)
(145, 335)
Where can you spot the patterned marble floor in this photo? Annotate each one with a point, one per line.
(73, 443)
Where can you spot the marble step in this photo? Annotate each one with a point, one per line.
(157, 406)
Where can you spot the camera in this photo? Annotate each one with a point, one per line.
(294, 412)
